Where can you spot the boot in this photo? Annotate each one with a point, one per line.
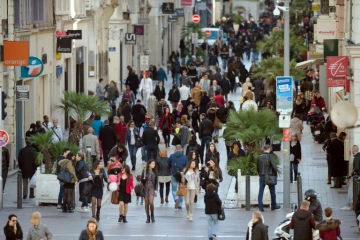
(98, 214)
(32, 195)
(120, 218)
(166, 199)
(152, 217)
(70, 210)
(162, 200)
(148, 219)
(124, 219)
(64, 208)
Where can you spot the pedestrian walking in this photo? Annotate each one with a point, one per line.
(257, 230)
(47, 125)
(159, 92)
(149, 178)
(133, 82)
(212, 153)
(295, 157)
(184, 93)
(266, 165)
(69, 164)
(151, 141)
(175, 70)
(205, 83)
(128, 94)
(146, 86)
(132, 137)
(206, 129)
(296, 126)
(5, 161)
(113, 93)
(336, 151)
(27, 165)
(58, 132)
(91, 232)
(330, 227)
(38, 230)
(211, 173)
(214, 87)
(196, 93)
(139, 113)
(245, 86)
(164, 173)
(191, 176)
(225, 86)
(82, 173)
(174, 96)
(303, 222)
(90, 145)
(120, 130)
(107, 137)
(12, 229)
(126, 187)
(98, 176)
(161, 75)
(212, 207)
(166, 123)
(100, 90)
(120, 152)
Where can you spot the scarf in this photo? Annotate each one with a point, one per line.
(235, 151)
(92, 236)
(298, 102)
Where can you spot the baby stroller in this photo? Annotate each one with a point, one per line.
(317, 124)
(315, 116)
(114, 167)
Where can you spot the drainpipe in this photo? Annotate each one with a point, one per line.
(351, 19)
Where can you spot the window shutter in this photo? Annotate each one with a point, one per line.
(41, 11)
(38, 11)
(29, 17)
(35, 11)
(17, 12)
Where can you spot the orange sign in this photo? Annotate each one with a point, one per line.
(286, 138)
(286, 131)
(16, 53)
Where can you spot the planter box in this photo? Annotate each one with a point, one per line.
(47, 188)
(254, 191)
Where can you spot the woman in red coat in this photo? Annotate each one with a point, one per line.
(126, 187)
(166, 125)
(319, 101)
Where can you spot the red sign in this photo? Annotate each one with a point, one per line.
(286, 138)
(286, 131)
(60, 34)
(207, 33)
(4, 138)
(195, 18)
(337, 70)
(187, 3)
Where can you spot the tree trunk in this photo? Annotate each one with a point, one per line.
(47, 161)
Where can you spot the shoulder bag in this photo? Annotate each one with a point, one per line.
(87, 188)
(182, 190)
(221, 214)
(115, 197)
(64, 176)
(270, 179)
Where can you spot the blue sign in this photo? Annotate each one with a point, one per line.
(59, 70)
(35, 68)
(284, 94)
(112, 49)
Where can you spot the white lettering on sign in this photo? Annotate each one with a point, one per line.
(284, 88)
(337, 67)
(15, 62)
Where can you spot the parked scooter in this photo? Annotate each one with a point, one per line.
(283, 230)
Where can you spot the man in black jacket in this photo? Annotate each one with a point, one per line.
(206, 129)
(151, 141)
(26, 160)
(62, 188)
(82, 171)
(5, 165)
(303, 222)
(266, 165)
(336, 151)
(258, 231)
(107, 137)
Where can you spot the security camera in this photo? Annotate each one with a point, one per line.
(276, 12)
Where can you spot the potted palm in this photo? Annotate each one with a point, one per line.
(251, 127)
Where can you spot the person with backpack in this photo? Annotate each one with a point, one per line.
(177, 162)
(164, 173)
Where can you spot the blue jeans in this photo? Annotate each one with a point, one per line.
(101, 99)
(174, 188)
(112, 103)
(224, 63)
(205, 142)
(293, 167)
(212, 219)
(261, 193)
(61, 193)
(177, 79)
(143, 154)
(132, 152)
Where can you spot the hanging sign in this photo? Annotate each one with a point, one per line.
(336, 71)
(22, 92)
(35, 68)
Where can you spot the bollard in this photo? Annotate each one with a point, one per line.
(247, 196)
(299, 189)
(19, 189)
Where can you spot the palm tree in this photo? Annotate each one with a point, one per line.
(251, 127)
(43, 143)
(81, 106)
(190, 28)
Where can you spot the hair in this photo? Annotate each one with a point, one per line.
(190, 154)
(213, 144)
(28, 143)
(163, 153)
(328, 212)
(11, 216)
(342, 135)
(97, 117)
(203, 115)
(166, 108)
(266, 147)
(45, 117)
(237, 143)
(70, 155)
(148, 166)
(35, 215)
(100, 80)
(130, 122)
(90, 130)
(127, 170)
(178, 147)
(175, 86)
(257, 215)
(189, 164)
(96, 164)
(178, 122)
(217, 92)
(92, 220)
(82, 155)
(121, 145)
(152, 124)
(210, 187)
(355, 148)
(295, 135)
(305, 204)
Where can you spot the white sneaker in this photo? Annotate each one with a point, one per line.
(346, 208)
(190, 217)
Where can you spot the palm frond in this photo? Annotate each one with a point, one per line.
(190, 28)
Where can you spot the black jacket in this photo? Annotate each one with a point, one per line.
(213, 60)
(159, 94)
(163, 167)
(203, 104)
(139, 112)
(103, 176)
(316, 210)
(150, 137)
(174, 95)
(26, 159)
(266, 165)
(9, 232)
(259, 231)
(85, 236)
(5, 159)
(302, 222)
(175, 66)
(107, 137)
(225, 86)
(356, 164)
(126, 111)
(336, 151)
(296, 151)
(212, 203)
(258, 86)
(206, 128)
(154, 179)
(81, 169)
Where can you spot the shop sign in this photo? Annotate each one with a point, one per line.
(74, 34)
(168, 8)
(16, 53)
(130, 38)
(142, 21)
(172, 18)
(139, 29)
(64, 45)
(326, 29)
(187, 3)
(316, 51)
(179, 12)
(337, 70)
(34, 69)
(22, 92)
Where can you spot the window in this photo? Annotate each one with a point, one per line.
(62, 7)
(23, 12)
(38, 7)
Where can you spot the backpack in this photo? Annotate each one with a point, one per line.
(189, 136)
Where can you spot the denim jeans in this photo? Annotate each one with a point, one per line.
(143, 154)
(61, 193)
(215, 132)
(293, 168)
(132, 152)
(261, 193)
(101, 99)
(212, 224)
(205, 142)
(112, 103)
(174, 188)
(177, 79)
(224, 63)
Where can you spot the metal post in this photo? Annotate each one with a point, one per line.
(19, 189)
(286, 150)
(299, 189)
(247, 196)
(1, 170)
(207, 55)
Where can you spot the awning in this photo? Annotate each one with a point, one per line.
(308, 63)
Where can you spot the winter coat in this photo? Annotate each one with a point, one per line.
(316, 210)
(133, 82)
(128, 135)
(26, 160)
(296, 151)
(85, 236)
(302, 222)
(9, 232)
(174, 95)
(319, 102)
(245, 87)
(336, 151)
(159, 94)
(120, 132)
(212, 91)
(193, 146)
(111, 93)
(195, 118)
(329, 229)
(212, 203)
(196, 95)
(213, 60)
(266, 165)
(163, 167)
(356, 163)
(299, 108)
(120, 155)
(129, 95)
(206, 128)
(175, 67)
(102, 174)
(139, 112)
(125, 112)
(220, 100)
(258, 86)
(225, 86)
(296, 127)
(161, 75)
(150, 136)
(82, 168)
(68, 165)
(209, 155)
(177, 162)
(107, 137)
(203, 104)
(41, 231)
(259, 231)
(169, 123)
(232, 155)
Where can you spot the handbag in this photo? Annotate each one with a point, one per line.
(217, 123)
(182, 190)
(115, 197)
(270, 179)
(138, 142)
(64, 176)
(221, 214)
(87, 188)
